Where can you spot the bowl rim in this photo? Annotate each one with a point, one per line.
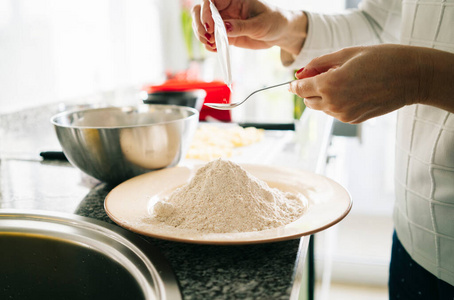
(54, 118)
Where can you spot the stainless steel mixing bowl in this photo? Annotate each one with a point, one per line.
(114, 144)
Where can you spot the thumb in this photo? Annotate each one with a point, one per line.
(306, 72)
(221, 4)
(320, 65)
(250, 27)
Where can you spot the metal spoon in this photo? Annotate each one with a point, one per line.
(228, 106)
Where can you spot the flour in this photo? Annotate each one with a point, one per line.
(222, 197)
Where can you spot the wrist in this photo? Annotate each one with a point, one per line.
(436, 77)
(425, 76)
(295, 32)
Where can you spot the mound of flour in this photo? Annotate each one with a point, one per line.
(222, 197)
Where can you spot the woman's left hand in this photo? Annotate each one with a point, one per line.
(359, 83)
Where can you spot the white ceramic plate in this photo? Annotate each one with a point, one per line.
(129, 205)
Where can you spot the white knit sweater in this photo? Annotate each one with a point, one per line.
(424, 175)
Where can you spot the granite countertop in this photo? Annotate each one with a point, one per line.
(260, 271)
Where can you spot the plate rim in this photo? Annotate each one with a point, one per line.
(232, 241)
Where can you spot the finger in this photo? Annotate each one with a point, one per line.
(324, 63)
(314, 103)
(211, 47)
(254, 22)
(317, 66)
(221, 4)
(245, 42)
(304, 88)
(351, 115)
(197, 27)
(252, 27)
(205, 17)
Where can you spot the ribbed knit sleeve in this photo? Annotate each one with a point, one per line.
(373, 22)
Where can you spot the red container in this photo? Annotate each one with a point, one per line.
(217, 92)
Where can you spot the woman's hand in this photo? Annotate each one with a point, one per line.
(251, 24)
(359, 83)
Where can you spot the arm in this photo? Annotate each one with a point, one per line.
(359, 83)
(375, 22)
(252, 24)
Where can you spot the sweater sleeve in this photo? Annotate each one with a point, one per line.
(374, 22)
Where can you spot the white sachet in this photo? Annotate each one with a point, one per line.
(222, 45)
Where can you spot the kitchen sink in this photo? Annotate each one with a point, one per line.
(63, 256)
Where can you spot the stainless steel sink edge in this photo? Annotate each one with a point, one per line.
(144, 261)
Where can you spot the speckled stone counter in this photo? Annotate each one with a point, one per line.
(261, 271)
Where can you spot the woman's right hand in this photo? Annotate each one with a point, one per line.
(251, 24)
(358, 83)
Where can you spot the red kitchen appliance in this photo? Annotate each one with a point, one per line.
(216, 92)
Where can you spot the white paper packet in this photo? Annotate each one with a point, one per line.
(222, 45)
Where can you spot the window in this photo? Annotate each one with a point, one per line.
(53, 50)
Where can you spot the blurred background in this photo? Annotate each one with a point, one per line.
(54, 51)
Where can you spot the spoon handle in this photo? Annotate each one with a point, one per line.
(228, 106)
(265, 88)
(271, 86)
